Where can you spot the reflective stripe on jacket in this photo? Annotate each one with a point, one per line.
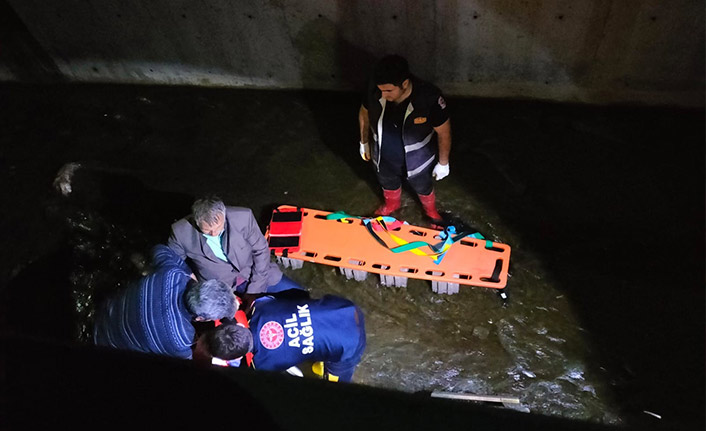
(418, 136)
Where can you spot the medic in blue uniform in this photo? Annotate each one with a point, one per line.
(287, 332)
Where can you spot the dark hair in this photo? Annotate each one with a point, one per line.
(391, 69)
(229, 341)
(210, 300)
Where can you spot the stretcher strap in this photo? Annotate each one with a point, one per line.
(437, 251)
(342, 217)
(386, 223)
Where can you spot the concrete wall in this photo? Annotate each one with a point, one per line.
(595, 51)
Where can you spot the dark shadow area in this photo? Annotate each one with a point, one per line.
(336, 118)
(22, 53)
(612, 198)
(125, 201)
(336, 113)
(54, 384)
(38, 300)
(103, 232)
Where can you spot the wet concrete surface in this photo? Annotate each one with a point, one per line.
(603, 206)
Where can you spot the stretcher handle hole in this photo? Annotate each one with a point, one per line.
(463, 276)
(283, 241)
(469, 243)
(309, 254)
(287, 217)
(356, 262)
(495, 249)
(320, 216)
(418, 233)
(381, 266)
(495, 278)
(409, 270)
(332, 258)
(435, 273)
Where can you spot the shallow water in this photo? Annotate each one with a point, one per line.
(580, 193)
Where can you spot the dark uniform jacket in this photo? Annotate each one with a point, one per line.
(426, 110)
(287, 332)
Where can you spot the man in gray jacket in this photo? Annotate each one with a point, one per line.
(225, 243)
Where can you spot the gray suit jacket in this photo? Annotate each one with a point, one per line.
(243, 244)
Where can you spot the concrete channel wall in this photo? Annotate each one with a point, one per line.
(592, 51)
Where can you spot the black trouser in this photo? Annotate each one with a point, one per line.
(390, 178)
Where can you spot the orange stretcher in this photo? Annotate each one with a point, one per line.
(308, 235)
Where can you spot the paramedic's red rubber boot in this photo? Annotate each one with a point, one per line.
(429, 206)
(392, 202)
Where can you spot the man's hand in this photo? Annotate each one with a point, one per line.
(440, 171)
(365, 151)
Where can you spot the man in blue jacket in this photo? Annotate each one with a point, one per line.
(154, 315)
(411, 132)
(286, 332)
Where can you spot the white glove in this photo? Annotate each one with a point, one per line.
(440, 171)
(365, 151)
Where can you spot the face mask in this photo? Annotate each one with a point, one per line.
(213, 237)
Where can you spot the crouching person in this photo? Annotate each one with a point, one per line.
(287, 332)
(154, 315)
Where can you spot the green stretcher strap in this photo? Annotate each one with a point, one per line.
(338, 215)
(416, 245)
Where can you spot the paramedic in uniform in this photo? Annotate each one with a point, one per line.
(408, 122)
(285, 332)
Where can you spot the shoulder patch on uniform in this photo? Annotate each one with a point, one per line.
(420, 120)
(442, 102)
(271, 335)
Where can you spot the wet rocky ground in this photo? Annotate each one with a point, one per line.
(603, 206)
